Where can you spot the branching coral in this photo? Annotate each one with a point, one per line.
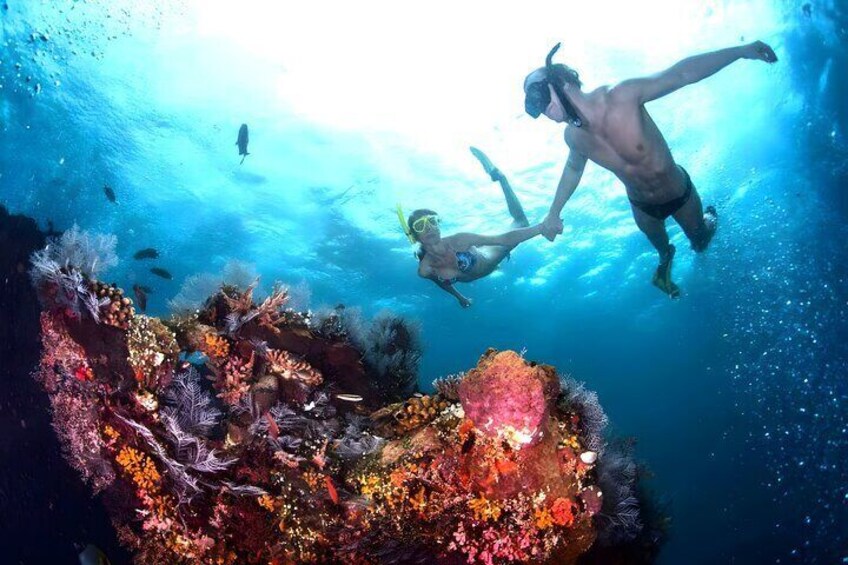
(286, 366)
(268, 315)
(237, 375)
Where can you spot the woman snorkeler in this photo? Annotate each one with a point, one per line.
(465, 257)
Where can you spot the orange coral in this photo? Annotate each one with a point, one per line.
(215, 346)
(485, 509)
(140, 467)
(544, 520)
(266, 502)
(562, 511)
(268, 314)
(111, 435)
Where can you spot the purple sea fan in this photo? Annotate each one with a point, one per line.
(191, 451)
(88, 253)
(63, 286)
(185, 485)
(357, 441)
(191, 407)
(576, 397)
(620, 518)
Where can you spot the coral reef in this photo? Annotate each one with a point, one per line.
(252, 433)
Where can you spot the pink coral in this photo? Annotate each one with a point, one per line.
(76, 423)
(505, 394)
(235, 381)
(61, 356)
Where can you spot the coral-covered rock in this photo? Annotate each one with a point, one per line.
(262, 452)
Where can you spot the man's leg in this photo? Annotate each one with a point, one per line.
(654, 229)
(698, 226)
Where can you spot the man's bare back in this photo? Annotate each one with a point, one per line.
(611, 127)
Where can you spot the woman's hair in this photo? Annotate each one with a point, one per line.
(415, 215)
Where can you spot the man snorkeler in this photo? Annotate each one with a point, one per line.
(611, 127)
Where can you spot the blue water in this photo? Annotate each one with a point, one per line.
(737, 393)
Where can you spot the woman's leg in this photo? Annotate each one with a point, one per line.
(519, 219)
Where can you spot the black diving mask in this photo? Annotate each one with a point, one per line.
(537, 97)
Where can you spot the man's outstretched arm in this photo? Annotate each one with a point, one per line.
(571, 175)
(691, 70)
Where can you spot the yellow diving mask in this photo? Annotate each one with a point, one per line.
(424, 223)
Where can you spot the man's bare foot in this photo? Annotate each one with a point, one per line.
(704, 237)
(662, 276)
(711, 219)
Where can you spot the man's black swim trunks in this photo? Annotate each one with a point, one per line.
(663, 211)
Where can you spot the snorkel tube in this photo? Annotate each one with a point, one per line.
(404, 225)
(552, 73)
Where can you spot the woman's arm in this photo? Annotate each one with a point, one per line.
(449, 288)
(508, 239)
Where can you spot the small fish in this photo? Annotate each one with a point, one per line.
(147, 253)
(242, 142)
(110, 194)
(349, 397)
(140, 297)
(273, 428)
(331, 489)
(146, 289)
(92, 555)
(161, 273)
